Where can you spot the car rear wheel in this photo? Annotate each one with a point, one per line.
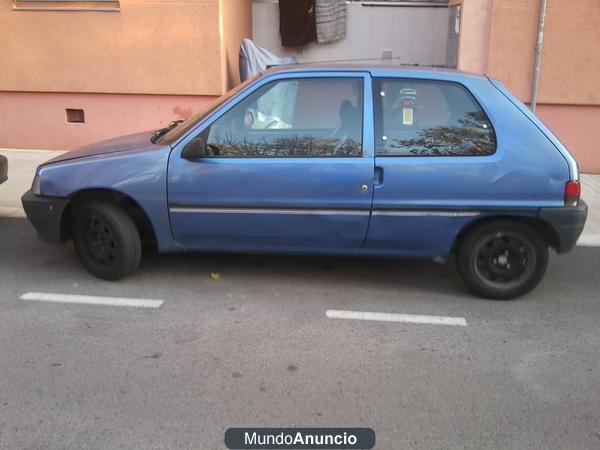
(106, 240)
(502, 260)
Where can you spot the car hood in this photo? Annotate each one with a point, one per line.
(137, 142)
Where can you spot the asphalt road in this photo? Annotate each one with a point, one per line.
(255, 348)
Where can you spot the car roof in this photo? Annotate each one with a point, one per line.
(375, 68)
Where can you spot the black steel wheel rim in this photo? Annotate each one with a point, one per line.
(99, 241)
(504, 260)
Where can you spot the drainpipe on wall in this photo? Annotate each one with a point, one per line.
(538, 55)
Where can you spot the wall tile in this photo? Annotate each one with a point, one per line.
(415, 35)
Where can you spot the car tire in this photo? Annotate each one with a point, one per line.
(106, 240)
(502, 260)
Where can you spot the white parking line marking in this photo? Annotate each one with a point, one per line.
(91, 300)
(391, 317)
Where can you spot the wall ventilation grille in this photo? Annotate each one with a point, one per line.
(75, 116)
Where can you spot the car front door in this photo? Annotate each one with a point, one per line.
(287, 166)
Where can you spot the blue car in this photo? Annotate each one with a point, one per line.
(332, 160)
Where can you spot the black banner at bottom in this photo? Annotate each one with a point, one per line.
(300, 438)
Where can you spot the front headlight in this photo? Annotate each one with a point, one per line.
(35, 186)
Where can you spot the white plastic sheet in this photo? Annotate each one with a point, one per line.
(254, 59)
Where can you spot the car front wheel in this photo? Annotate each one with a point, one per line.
(502, 260)
(106, 240)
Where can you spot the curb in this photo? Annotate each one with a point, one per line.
(6, 211)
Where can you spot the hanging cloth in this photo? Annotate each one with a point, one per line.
(297, 24)
(331, 20)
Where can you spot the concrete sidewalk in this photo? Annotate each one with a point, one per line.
(22, 165)
(21, 169)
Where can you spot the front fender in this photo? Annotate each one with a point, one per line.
(140, 175)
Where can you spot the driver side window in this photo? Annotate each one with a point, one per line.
(302, 117)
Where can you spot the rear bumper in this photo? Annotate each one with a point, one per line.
(567, 222)
(45, 214)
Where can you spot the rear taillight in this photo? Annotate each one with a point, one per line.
(572, 193)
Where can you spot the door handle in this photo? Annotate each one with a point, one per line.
(378, 177)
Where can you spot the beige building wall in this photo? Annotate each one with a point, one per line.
(236, 24)
(498, 38)
(149, 47)
(139, 68)
(570, 57)
(475, 26)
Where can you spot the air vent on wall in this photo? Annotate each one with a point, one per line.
(75, 116)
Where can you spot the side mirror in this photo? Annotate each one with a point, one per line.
(195, 149)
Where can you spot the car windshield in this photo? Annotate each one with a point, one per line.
(181, 129)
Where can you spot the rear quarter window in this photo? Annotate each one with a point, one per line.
(429, 118)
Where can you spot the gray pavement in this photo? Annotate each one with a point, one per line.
(255, 348)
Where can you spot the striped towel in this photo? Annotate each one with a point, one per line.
(331, 20)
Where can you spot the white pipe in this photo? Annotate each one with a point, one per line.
(538, 56)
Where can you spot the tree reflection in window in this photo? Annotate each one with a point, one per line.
(472, 137)
(429, 118)
(288, 145)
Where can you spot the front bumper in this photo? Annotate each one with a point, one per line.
(567, 222)
(45, 214)
(3, 169)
